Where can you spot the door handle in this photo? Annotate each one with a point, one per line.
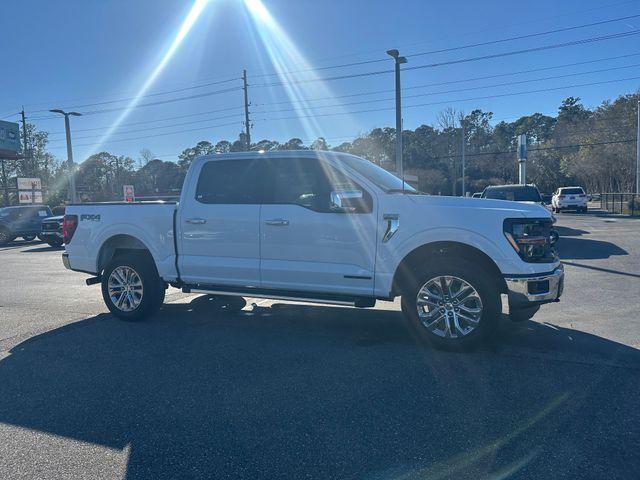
(196, 221)
(277, 222)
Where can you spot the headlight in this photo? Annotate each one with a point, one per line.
(529, 237)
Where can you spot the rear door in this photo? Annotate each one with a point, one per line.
(306, 243)
(218, 225)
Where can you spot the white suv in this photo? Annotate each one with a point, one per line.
(569, 198)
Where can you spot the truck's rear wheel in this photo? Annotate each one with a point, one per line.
(131, 287)
(452, 304)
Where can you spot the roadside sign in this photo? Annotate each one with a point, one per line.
(9, 138)
(129, 194)
(29, 196)
(29, 183)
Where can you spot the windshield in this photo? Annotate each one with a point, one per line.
(516, 194)
(377, 175)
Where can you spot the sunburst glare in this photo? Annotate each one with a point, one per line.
(185, 28)
(287, 59)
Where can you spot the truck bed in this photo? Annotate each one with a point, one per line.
(152, 223)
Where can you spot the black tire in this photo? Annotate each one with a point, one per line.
(485, 285)
(55, 243)
(153, 288)
(6, 236)
(28, 238)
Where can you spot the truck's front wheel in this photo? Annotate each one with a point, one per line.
(452, 304)
(131, 287)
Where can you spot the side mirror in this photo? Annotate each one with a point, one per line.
(345, 201)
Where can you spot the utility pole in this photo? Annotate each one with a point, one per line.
(247, 124)
(72, 167)
(464, 141)
(398, 61)
(522, 158)
(27, 156)
(638, 153)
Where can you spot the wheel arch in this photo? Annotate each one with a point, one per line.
(117, 245)
(408, 268)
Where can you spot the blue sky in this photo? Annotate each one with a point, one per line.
(77, 53)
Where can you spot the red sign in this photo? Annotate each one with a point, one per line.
(129, 195)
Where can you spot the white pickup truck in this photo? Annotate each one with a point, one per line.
(321, 227)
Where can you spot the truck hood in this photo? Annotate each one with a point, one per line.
(504, 207)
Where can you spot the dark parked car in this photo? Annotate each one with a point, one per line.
(52, 231)
(516, 193)
(25, 222)
(521, 193)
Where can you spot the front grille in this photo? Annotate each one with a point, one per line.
(50, 227)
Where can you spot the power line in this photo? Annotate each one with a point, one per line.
(521, 37)
(539, 79)
(146, 122)
(151, 104)
(451, 82)
(155, 128)
(443, 101)
(451, 49)
(156, 135)
(167, 92)
(235, 78)
(583, 41)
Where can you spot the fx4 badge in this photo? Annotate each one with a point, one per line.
(85, 217)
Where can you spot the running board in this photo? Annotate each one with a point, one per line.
(327, 299)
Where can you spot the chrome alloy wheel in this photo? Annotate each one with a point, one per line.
(449, 307)
(125, 288)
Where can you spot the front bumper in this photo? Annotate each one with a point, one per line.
(50, 235)
(536, 289)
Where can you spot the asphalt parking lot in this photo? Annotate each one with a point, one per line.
(300, 391)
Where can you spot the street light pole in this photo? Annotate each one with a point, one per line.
(72, 167)
(398, 61)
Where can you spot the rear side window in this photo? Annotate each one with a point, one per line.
(571, 191)
(230, 182)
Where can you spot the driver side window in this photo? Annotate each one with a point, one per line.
(310, 183)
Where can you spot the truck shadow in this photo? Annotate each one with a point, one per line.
(295, 391)
(587, 249)
(47, 248)
(570, 232)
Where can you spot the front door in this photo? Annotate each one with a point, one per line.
(307, 244)
(219, 225)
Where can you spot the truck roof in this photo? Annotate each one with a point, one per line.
(273, 154)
